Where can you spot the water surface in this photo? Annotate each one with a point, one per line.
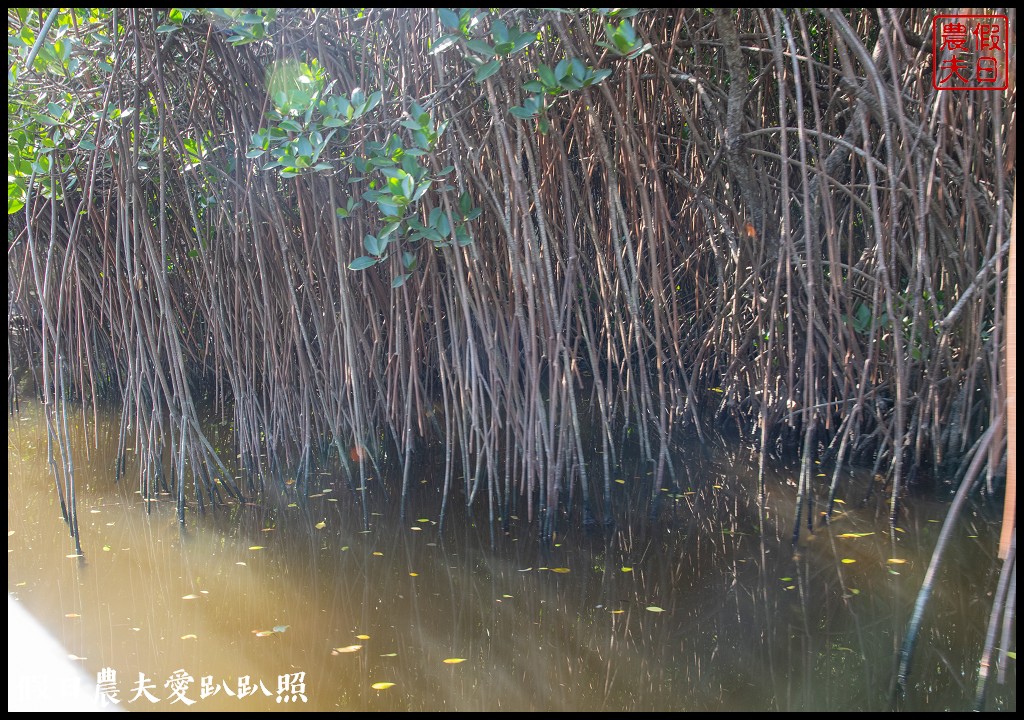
(707, 607)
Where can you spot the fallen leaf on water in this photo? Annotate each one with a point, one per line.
(848, 561)
(320, 525)
(454, 661)
(281, 628)
(189, 597)
(620, 481)
(422, 519)
(560, 570)
(256, 547)
(382, 685)
(415, 527)
(72, 615)
(362, 637)
(74, 555)
(378, 554)
(390, 655)
(414, 574)
(346, 649)
(526, 569)
(263, 633)
(654, 608)
(626, 569)
(190, 636)
(239, 563)
(506, 596)
(855, 535)
(106, 548)
(617, 612)
(896, 561)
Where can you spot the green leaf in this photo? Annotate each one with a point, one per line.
(547, 76)
(448, 18)
(361, 263)
(486, 70)
(499, 31)
(399, 281)
(522, 113)
(480, 47)
(374, 245)
(522, 41)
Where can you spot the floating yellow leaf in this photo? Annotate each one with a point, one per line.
(654, 608)
(620, 481)
(264, 633)
(506, 596)
(106, 548)
(390, 655)
(382, 685)
(189, 597)
(190, 636)
(256, 547)
(717, 390)
(841, 502)
(346, 649)
(422, 519)
(848, 561)
(855, 535)
(626, 568)
(454, 661)
(617, 612)
(415, 527)
(362, 637)
(320, 525)
(560, 570)
(378, 554)
(896, 561)
(72, 615)
(239, 563)
(414, 574)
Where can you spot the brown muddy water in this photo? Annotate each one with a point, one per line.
(291, 605)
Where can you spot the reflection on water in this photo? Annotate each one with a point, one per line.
(291, 605)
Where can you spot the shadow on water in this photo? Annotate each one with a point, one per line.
(697, 601)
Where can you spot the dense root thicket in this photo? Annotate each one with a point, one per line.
(565, 229)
